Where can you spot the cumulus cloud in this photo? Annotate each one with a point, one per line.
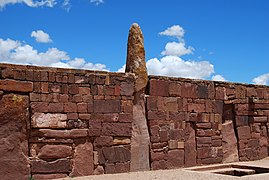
(262, 79)
(30, 3)
(218, 77)
(97, 2)
(16, 52)
(177, 67)
(176, 49)
(174, 31)
(41, 36)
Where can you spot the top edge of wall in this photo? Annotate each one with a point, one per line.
(221, 83)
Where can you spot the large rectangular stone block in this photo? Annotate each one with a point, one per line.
(18, 86)
(106, 106)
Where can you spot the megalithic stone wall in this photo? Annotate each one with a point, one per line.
(64, 122)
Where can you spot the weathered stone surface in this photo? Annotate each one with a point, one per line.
(116, 154)
(135, 62)
(83, 160)
(229, 143)
(117, 168)
(243, 132)
(58, 166)
(41, 120)
(99, 170)
(18, 86)
(55, 152)
(50, 133)
(14, 163)
(106, 106)
(175, 158)
(117, 129)
(190, 146)
(140, 139)
(48, 176)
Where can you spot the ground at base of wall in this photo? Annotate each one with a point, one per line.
(180, 174)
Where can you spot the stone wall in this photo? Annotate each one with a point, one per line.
(203, 122)
(79, 122)
(63, 122)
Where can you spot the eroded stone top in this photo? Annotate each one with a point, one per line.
(135, 62)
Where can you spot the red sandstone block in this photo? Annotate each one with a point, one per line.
(18, 86)
(126, 89)
(170, 104)
(125, 117)
(109, 90)
(84, 90)
(203, 140)
(189, 90)
(19, 74)
(213, 160)
(206, 132)
(55, 88)
(82, 107)
(154, 130)
(159, 87)
(72, 116)
(174, 89)
(106, 106)
(243, 132)
(37, 76)
(7, 73)
(100, 79)
(58, 166)
(193, 117)
(95, 128)
(70, 107)
(220, 93)
(63, 98)
(242, 109)
(44, 87)
(261, 106)
(29, 75)
(203, 152)
(65, 134)
(211, 90)
(261, 119)
(51, 77)
(217, 106)
(37, 87)
(117, 90)
(117, 168)
(117, 154)
(56, 107)
(81, 80)
(117, 129)
(127, 106)
(73, 89)
(34, 97)
(71, 78)
(84, 116)
(151, 103)
(157, 156)
(176, 134)
(103, 141)
(44, 76)
(202, 91)
(240, 92)
(64, 89)
(196, 107)
(203, 125)
(157, 115)
(39, 107)
(251, 92)
(156, 165)
(175, 158)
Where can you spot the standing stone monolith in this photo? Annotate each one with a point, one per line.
(136, 64)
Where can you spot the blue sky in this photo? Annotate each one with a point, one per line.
(204, 39)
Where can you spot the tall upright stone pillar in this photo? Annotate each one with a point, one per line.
(136, 64)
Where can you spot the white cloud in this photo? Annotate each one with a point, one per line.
(16, 52)
(97, 2)
(177, 67)
(262, 79)
(174, 31)
(41, 36)
(177, 49)
(30, 3)
(66, 5)
(122, 69)
(218, 78)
